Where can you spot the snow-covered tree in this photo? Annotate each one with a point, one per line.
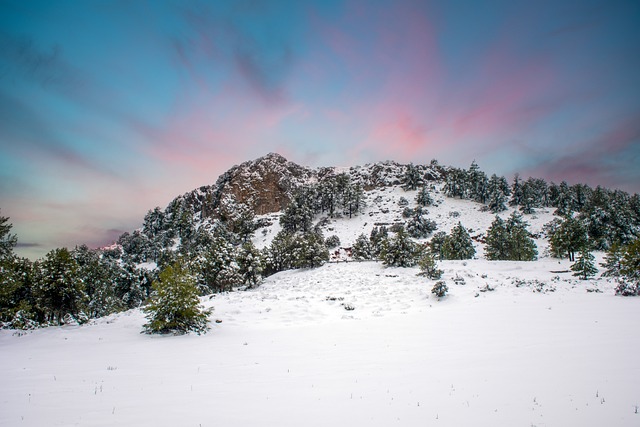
(497, 241)
(440, 289)
(175, 306)
(250, 264)
(568, 238)
(521, 245)
(516, 191)
(458, 244)
(423, 198)
(377, 237)
(411, 179)
(7, 240)
(428, 265)
(58, 290)
(497, 193)
(361, 249)
(419, 226)
(399, 250)
(436, 243)
(332, 242)
(584, 267)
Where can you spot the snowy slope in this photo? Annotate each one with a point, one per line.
(538, 350)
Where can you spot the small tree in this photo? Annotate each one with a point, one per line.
(440, 289)
(175, 306)
(429, 266)
(361, 249)
(584, 266)
(399, 251)
(458, 244)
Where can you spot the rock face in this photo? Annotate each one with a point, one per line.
(267, 185)
(264, 185)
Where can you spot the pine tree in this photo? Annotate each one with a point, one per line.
(399, 251)
(377, 237)
(423, 198)
(458, 244)
(497, 241)
(613, 261)
(440, 289)
(497, 193)
(361, 249)
(429, 266)
(59, 291)
(7, 240)
(419, 226)
(584, 266)
(568, 238)
(521, 245)
(516, 191)
(630, 264)
(175, 306)
(436, 244)
(250, 264)
(411, 179)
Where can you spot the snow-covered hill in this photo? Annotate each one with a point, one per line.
(349, 343)
(540, 349)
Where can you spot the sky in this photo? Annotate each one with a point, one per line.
(110, 108)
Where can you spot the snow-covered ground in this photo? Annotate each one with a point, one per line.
(541, 349)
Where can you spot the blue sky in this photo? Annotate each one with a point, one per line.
(110, 108)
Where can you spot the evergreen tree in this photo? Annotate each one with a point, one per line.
(630, 264)
(411, 179)
(429, 266)
(458, 244)
(613, 261)
(297, 216)
(59, 291)
(377, 237)
(250, 264)
(98, 276)
(516, 191)
(436, 244)
(497, 193)
(564, 200)
(361, 249)
(7, 240)
(399, 251)
(521, 245)
(568, 238)
(423, 198)
(497, 241)
(419, 226)
(218, 269)
(353, 200)
(584, 266)
(440, 289)
(175, 306)
(456, 184)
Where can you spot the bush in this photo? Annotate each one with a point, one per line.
(440, 289)
(332, 242)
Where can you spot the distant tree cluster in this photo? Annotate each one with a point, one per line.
(608, 216)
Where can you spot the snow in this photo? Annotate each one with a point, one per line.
(288, 353)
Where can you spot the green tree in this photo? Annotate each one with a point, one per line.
(58, 289)
(7, 240)
(584, 267)
(497, 241)
(568, 238)
(521, 245)
(174, 306)
(429, 266)
(399, 251)
(250, 266)
(361, 249)
(411, 179)
(458, 244)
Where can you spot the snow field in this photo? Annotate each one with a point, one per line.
(285, 354)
